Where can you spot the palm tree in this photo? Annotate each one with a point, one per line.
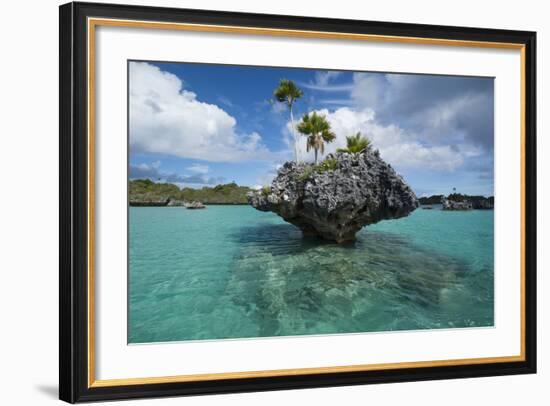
(317, 129)
(287, 92)
(356, 144)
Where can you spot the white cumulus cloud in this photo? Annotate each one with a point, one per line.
(322, 78)
(165, 118)
(398, 147)
(198, 168)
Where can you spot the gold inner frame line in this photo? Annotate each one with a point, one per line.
(94, 22)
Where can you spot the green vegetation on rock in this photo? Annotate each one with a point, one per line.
(434, 199)
(306, 173)
(329, 164)
(355, 144)
(145, 192)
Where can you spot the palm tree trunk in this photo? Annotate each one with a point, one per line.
(316, 156)
(294, 135)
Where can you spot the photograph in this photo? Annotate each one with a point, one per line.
(256, 201)
(272, 201)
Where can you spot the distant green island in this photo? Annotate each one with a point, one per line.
(478, 202)
(145, 192)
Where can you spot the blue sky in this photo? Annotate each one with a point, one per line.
(199, 125)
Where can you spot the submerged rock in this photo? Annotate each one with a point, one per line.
(336, 198)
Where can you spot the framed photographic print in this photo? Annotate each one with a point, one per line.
(257, 202)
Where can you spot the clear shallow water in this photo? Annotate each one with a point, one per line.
(232, 272)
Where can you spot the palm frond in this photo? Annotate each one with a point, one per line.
(317, 128)
(356, 144)
(287, 92)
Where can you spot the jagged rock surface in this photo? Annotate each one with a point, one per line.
(335, 204)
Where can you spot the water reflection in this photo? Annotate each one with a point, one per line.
(289, 284)
(232, 272)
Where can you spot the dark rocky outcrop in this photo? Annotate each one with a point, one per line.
(336, 198)
(195, 205)
(149, 203)
(477, 202)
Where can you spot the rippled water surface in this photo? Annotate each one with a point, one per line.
(232, 271)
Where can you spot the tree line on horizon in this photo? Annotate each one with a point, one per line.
(145, 192)
(456, 197)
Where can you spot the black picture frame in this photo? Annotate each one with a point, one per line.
(74, 199)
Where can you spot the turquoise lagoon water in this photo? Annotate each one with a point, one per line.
(234, 272)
